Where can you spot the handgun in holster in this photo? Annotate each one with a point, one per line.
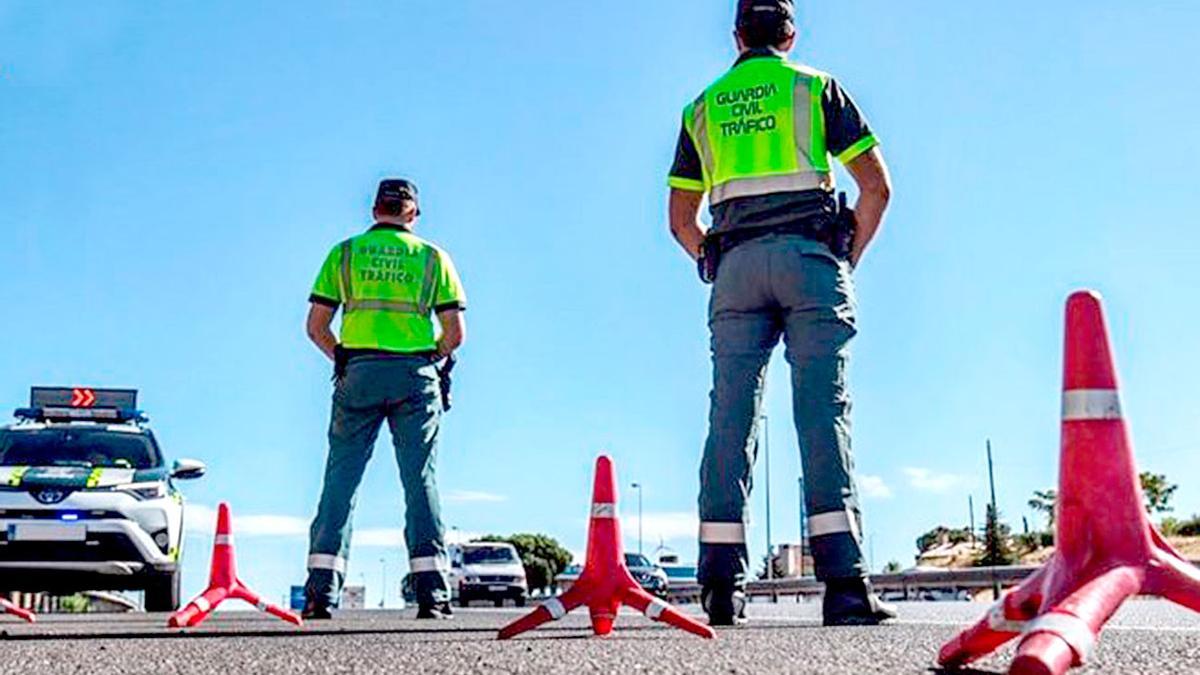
(841, 235)
(341, 360)
(444, 381)
(710, 258)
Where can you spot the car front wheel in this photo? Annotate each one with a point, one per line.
(162, 592)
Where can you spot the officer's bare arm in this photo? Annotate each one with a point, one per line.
(874, 192)
(685, 220)
(320, 318)
(454, 331)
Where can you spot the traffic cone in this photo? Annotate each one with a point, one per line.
(1106, 548)
(605, 583)
(223, 583)
(11, 608)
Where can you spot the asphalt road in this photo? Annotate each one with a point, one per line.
(1145, 637)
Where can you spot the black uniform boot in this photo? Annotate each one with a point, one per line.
(724, 604)
(435, 610)
(851, 602)
(315, 611)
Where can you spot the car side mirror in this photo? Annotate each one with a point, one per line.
(187, 469)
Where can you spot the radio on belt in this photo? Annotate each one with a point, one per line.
(81, 403)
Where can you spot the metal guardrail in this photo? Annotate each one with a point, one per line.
(909, 583)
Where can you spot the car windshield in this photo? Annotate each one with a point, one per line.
(489, 555)
(86, 447)
(637, 560)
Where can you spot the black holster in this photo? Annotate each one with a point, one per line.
(841, 235)
(444, 381)
(710, 258)
(341, 359)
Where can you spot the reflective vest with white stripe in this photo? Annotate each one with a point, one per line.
(388, 283)
(760, 130)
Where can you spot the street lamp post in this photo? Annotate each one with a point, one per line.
(383, 586)
(638, 487)
(767, 459)
(803, 526)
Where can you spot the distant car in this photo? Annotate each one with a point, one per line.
(487, 571)
(651, 577)
(87, 501)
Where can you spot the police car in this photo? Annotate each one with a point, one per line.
(87, 501)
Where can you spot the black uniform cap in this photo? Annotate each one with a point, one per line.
(765, 12)
(396, 190)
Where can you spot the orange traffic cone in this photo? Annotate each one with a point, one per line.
(1107, 550)
(605, 583)
(223, 583)
(6, 606)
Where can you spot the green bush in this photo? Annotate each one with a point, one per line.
(1189, 527)
(74, 604)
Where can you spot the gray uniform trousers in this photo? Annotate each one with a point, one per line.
(790, 286)
(404, 392)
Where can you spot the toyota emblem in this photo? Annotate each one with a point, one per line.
(50, 495)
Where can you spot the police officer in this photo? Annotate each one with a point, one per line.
(759, 143)
(389, 283)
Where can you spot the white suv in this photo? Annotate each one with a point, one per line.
(487, 571)
(87, 501)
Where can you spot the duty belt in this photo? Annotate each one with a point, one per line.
(833, 227)
(727, 241)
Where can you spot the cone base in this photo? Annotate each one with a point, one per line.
(605, 584)
(1042, 654)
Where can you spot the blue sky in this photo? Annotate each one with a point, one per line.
(171, 177)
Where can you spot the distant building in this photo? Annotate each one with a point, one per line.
(794, 560)
(354, 597)
(962, 554)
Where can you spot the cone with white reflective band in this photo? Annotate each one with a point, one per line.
(10, 608)
(605, 583)
(1106, 548)
(223, 583)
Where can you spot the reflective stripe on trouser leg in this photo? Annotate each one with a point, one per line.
(817, 295)
(834, 537)
(722, 533)
(414, 425)
(431, 563)
(354, 426)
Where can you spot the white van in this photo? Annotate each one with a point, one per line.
(487, 571)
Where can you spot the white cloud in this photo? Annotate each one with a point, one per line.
(391, 537)
(201, 519)
(378, 537)
(931, 481)
(467, 496)
(662, 526)
(873, 487)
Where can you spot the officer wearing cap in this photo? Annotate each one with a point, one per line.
(780, 252)
(389, 284)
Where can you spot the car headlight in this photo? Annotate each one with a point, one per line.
(153, 490)
(471, 580)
